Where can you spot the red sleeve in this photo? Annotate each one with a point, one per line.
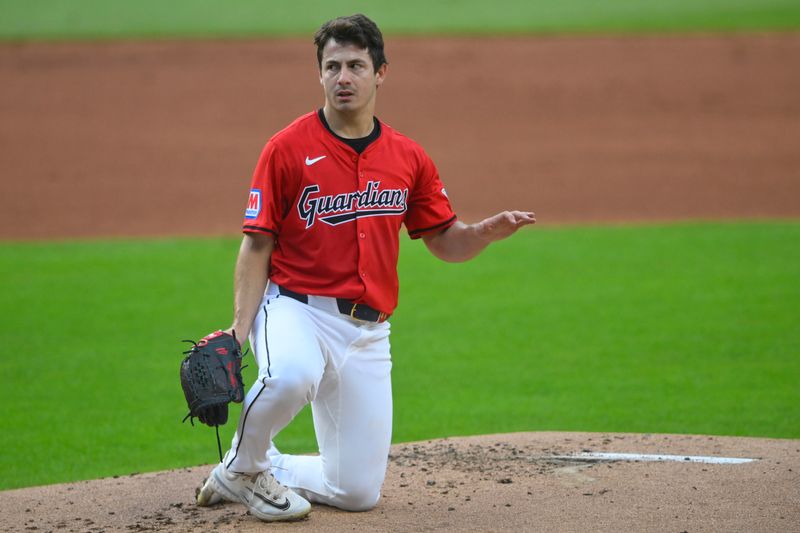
(264, 211)
(428, 206)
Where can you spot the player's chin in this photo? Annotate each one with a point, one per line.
(347, 106)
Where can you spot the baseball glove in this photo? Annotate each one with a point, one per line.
(211, 377)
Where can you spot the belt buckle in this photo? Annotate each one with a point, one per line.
(353, 312)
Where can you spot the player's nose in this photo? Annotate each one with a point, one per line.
(345, 76)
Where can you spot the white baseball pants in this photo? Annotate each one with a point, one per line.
(313, 353)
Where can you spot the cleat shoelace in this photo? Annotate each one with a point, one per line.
(270, 485)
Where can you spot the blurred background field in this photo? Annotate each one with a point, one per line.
(684, 327)
(112, 19)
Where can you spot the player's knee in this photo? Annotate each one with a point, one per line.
(299, 386)
(359, 502)
(358, 497)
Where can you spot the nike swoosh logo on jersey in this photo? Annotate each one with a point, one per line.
(310, 162)
(281, 506)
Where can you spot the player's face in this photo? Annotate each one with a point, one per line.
(348, 77)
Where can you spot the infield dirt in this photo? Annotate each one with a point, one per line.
(118, 139)
(489, 483)
(135, 139)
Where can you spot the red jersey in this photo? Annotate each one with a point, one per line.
(336, 215)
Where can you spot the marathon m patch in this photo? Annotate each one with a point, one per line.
(253, 204)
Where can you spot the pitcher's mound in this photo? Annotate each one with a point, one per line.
(514, 482)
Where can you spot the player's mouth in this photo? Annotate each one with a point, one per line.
(344, 95)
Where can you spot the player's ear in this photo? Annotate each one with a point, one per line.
(380, 74)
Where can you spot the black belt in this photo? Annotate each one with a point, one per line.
(346, 307)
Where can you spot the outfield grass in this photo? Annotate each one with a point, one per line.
(687, 328)
(104, 19)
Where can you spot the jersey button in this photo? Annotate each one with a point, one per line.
(362, 235)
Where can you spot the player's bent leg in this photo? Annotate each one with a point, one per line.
(352, 419)
(291, 366)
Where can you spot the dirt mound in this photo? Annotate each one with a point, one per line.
(512, 482)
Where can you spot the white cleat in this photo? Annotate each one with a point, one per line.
(263, 495)
(207, 496)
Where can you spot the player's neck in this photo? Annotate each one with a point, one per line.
(350, 125)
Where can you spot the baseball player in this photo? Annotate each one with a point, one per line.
(316, 282)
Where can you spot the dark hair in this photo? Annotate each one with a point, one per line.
(356, 29)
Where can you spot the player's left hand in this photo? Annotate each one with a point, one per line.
(504, 224)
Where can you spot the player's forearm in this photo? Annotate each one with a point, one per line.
(250, 280)
(460, 242)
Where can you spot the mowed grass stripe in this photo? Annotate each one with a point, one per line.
(686, 328)
(111, 19)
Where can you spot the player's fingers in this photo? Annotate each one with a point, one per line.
(524, 217)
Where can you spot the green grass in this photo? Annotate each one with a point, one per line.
(687, 328)
(104, 19)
